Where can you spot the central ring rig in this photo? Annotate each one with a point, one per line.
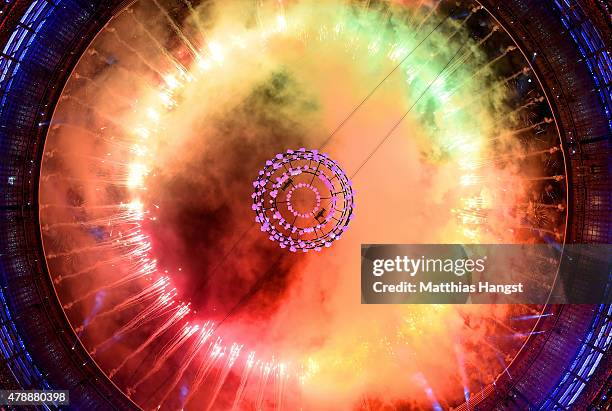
(298, 192)
(303, 200)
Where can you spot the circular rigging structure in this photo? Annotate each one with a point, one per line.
(288, 200)
(565, 360)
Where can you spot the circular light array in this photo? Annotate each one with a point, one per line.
(303, 199)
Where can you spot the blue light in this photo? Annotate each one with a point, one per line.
(12, 346)
(598, 61)
(599, 336)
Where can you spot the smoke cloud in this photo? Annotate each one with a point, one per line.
(277, 77)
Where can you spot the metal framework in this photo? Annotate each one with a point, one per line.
(284, 179)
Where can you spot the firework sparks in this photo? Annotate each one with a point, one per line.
(464, 159)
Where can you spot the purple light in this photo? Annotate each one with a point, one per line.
(303, 200)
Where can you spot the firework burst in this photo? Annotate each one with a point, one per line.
(430, 130)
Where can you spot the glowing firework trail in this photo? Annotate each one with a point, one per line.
(94, 110)
(500, 83)
(208, 361)
(281, 381)
(154, 290)
(205, 333)
(530, 103)
(175, 318)
(532, 316)
(105, 88)
(150, 313)
(427, 17)
(129, 71)
(498, 352)
(100, 160)
(92, 248)
(504, 157)
(412, 16)
(86, 270)
(137, 253)
(248, 367)
(460, 26)
(529, 128)
(231, 360)
(482, 69)
(177, 65)
(132, 238)
(143, 268)
(523, 335)
(459, 62)
(540, 231)
(177, 30)
(55, 125)
(464, 57)
(170, 348)
(196, 19)
(139, 246)
(266, 369)
(134, 51)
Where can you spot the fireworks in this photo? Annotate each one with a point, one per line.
(209, 113)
